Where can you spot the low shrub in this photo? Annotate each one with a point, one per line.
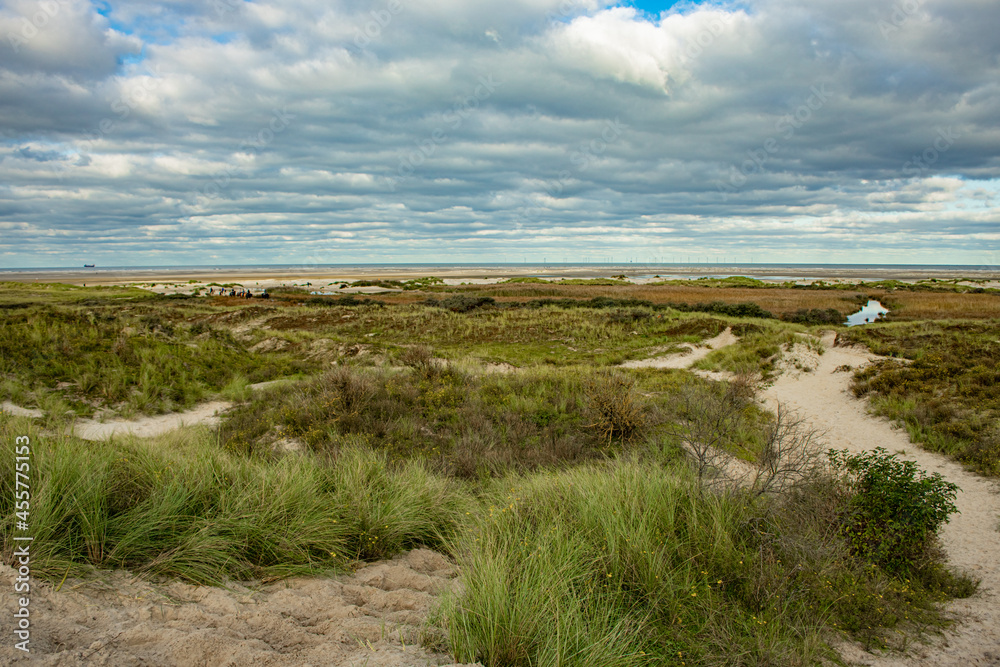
(461, 303)
(349, 301)
(946, 395)
(614, 406)
(746, 309)
(895, 511)
(463, 424)
(815, 316)
(630, 564)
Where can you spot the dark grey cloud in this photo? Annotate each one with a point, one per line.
(308, 131)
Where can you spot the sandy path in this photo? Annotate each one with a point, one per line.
(971, 538)
(147, 427)
(18, 411)
(689, 356)
(373, 617)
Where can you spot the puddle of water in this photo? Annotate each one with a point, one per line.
(871, 312)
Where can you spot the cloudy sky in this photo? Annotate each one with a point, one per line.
(335, 131)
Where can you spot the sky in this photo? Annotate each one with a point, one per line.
(175, 132)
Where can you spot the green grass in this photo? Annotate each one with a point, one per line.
(759, 348)
(525, 280)
(522, 336)
(473, 424)
(181, 506)
(731, 281)
(583, 533)
(136, 359)
(947, 396)
(627, 565)
(593, 281)
(624, 561)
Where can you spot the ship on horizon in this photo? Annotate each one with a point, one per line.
(89, 266)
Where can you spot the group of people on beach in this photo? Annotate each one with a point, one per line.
(241, 293)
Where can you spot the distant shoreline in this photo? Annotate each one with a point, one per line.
(272, 276)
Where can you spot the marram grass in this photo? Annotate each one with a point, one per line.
(180, 506)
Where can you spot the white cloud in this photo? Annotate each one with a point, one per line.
(95, 145)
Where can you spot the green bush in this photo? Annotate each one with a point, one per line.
(745, 309)
(815, 316)
(460, 303)
(895, 511)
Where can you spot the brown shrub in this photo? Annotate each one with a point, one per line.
(614, 406)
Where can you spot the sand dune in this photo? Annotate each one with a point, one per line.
(971, 539)
(691, 354)
(373, 617)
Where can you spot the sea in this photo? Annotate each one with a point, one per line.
(638, 270)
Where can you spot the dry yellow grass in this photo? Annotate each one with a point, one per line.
(944, 306)
(905, 305)
(779, 301)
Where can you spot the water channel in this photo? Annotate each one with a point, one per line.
(871, 312)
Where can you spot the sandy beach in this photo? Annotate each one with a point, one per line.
(265, 277)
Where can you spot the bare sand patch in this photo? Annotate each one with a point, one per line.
(18, 411)
(317, 275)
(373, 617)
(690, 355)
(147, 427)
(799, 359)
(499, 367)
(271, 345)
(971, 539)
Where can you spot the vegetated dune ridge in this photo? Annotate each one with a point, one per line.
(373, 617)
(358, 619)
(971, 539)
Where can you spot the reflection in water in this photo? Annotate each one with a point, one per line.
(872, 311)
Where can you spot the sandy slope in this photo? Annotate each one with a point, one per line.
(372, 618)
(972, 538)
(689, 356)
